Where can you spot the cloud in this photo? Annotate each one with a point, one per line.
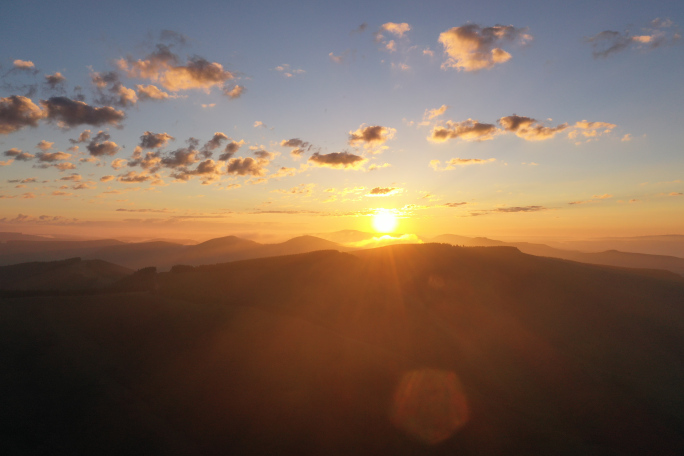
(230, 150)
(23, 64)
(264, 156)
(626, 138)
(182, 157)
(55, 81)
(132, 177)
(156, 211)
(245, 167)
(675, 194)
(60, 193)
(89, 185)
(208, 170)
(287, 71)
(162, 66)
(6, 162)
(339, 58)
(591, 129)
(528, 128)
(258, 123)
(213, 144)
(472, 47)
(234, 92)
(340, 160)
(18, 155)
(151, 140)
(64, 166)
(375, 166)
(100, 145)
(371, 137)
(17, 112)
(70, 113)
(455, 204)
(119, 163)
(361, 28)
(116, 93)
(610, 42)
(432, 113)
(83, 137)
(71, 177)
(457, 162)
(468, 130)
(520, 209)
(45, 145)
(605, 196)
(301, 189)
(107, 178)
(396, 29)
(151, 92)
(385, 191)
(51, 157)
(298, 146)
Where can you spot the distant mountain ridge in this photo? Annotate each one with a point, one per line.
(63, 275)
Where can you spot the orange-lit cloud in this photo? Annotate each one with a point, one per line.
(45, 145)
(230, 150)
(54, 81)
(151, 140)
(371, 137)
(340, 160)
(151, 92)
(458, 162)
(70, 113)
(234, 92)
(608, 42)
(23, 64)
(245, 167)
(528, 128)
(395, 28)
(385, 191)
(468, 130)
(17, 112)
(472, 47)
(100, 145)
(52, 156)
(162, 67)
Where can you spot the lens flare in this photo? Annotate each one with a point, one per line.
(429, 405)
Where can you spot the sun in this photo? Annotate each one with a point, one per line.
(385, 222)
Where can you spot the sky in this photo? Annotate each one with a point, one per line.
(268, 120)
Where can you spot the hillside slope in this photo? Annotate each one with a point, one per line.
(403, 350)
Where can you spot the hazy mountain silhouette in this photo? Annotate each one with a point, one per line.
(408, 349)
(23, 251)
(71, 274)
(669, 244)
(609, 258)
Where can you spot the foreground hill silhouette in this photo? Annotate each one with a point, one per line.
(411, 349)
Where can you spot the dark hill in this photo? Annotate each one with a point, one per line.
(24, 251)
(70, 274)
(403, 350)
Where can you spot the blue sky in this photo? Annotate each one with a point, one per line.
(620, 175)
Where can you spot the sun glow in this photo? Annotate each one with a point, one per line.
(385, 222)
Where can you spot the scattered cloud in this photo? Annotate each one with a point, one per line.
(17, 112)
(340, 160)
(529, 129)
(472, 47)
(151, 92)
(23, 64)
(45, 145)
(150, 140)
(468, 130)
(107, 178)
(245, 167)
(288, 71)
(163, 67)
(608, 42)
(230, 150)
(397, 29)
(298, 146)
(371, 137)
(458, 162)
(100, 145)
(51, 157)
(385, 191)
(70, 113)
(55, 81)
(234, 92)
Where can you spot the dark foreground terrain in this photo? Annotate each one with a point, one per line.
(403, 350)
